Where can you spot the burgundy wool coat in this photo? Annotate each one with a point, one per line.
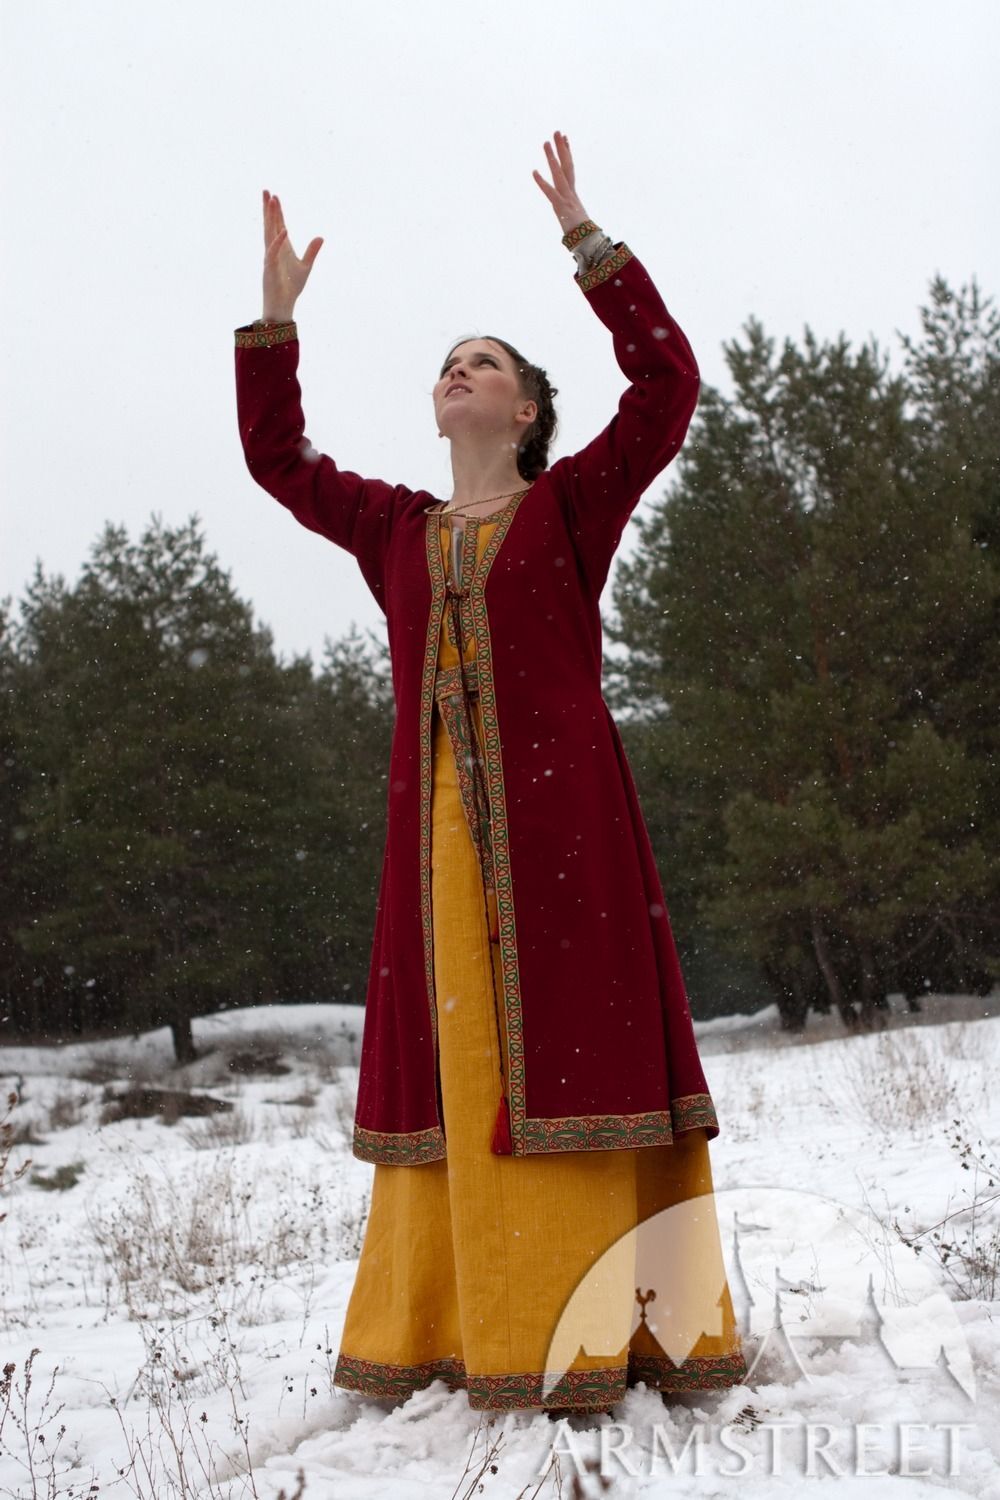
(602, 1053)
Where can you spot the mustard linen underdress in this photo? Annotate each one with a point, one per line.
(468, 1264)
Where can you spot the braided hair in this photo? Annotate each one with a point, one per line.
(533, 450)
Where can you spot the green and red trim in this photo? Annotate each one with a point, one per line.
(261, 335)
(583, 1389)
(399, 1148)
(572, 237)
(607, 269)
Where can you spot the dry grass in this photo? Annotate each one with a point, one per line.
(271, 1053)
(143, 1103)
(30, 1438)
(176, 1244)
(266, 1061)
(8, 1140)
(25, 1133)
(301, 1124)
(481, 1466)
(67, 1109)
(196, 1254)
(968, 1041)
(955, 1012)
(177, 1452)
(121, 1067)
(896, 1080)
(180, 1452)
(965, 1243)
(341, 1112)
(60, 1179)
(225, 1132)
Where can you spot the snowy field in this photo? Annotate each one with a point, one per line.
(172, 1292)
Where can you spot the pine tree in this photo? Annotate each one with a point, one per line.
(152, 714)
(191, 823)
(342, 720)
(17, 879)
(808, 620)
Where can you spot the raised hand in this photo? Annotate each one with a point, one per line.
(561, 191)
(284, 273)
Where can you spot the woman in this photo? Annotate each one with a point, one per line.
(530, 1089)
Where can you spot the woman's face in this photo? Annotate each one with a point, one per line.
(479, 389)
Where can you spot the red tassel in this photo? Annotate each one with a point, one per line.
(494, 916)
(501, 1144)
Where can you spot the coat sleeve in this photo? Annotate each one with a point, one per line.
(355, 513)
(599, 487)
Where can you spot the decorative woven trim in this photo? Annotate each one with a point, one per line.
(597, 1133)
(470, 550)
(435, 564)
(261, 335)
(707, 1372)
(449, 623)
(498, 824)
(593, 1390)
(693, 1112)
(466, 754)
(470, 532)
(401, 1381)
(572, 237)
(405, 1149)
(542, 1137)
(448, 681)
(584, 1389)
(607, 268)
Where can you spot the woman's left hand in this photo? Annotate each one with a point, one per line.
(561, 192)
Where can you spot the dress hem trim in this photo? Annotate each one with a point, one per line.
(591, 1389)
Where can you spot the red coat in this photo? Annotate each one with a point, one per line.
(602, 1051)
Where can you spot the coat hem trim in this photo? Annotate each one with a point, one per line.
(549, 1136)
(693, 1112)
(398, 1149)
(619, 1132)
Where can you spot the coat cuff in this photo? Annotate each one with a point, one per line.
(608, 267)
(261, 335)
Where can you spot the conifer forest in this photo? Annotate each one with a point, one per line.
(802, 653)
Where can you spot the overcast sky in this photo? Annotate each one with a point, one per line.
(801, 162)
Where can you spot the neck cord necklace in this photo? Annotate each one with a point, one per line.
(459, 509)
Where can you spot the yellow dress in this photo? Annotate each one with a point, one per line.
(470, 1263)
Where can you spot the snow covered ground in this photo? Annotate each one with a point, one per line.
(183, 1285)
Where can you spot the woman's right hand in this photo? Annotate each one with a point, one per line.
(284, 273)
